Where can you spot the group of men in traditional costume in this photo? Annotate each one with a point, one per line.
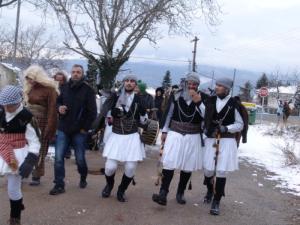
(194, 128)
(192, 124)
(191, 115)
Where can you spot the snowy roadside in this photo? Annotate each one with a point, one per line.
(263, 149)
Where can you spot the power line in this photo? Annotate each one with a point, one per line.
(159, 59)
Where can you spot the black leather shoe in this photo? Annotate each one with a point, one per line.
(180, 198)
(121, 196)
(160, 198)
(35, 181)
(82, 184)
(106, 191)
(215, 208)
(57, 190)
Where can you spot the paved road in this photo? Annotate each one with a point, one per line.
(246, 202)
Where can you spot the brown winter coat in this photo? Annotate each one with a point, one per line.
(45, 100)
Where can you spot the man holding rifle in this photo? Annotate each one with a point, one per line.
(222, 121)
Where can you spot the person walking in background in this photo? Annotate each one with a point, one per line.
(19, 147)
(61, 78)
(77, 110)
(147, 100)
(40, 93)
(286, 112)
(279, 111)
(158, 101)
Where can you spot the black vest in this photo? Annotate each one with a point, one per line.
(17, 124)
(212, 117)
(127, 122)
(186, 113)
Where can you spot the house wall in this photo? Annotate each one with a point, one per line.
(7, 76)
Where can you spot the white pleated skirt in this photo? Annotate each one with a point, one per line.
(20, 154)
(107, 133)
(124, 148)
(182, 152)
(227, 158)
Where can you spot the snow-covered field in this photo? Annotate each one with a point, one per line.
(264, 149)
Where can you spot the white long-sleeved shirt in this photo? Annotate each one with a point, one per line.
(238, 124)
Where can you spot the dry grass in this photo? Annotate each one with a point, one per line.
(288, 150)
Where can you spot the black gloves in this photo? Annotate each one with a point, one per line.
(28, 164)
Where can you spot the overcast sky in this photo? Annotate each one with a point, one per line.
(257, 35)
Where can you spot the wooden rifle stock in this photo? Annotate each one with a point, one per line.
(159, 164)
(217, 146)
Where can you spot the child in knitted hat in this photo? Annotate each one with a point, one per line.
(19, 146)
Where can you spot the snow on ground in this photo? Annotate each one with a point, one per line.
(263, 149)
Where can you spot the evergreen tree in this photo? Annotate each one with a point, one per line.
(245, 92)
(263, 81)
(167, 81)
(92, 74)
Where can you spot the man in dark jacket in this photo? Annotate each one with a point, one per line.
(76, 106)
(147, 100)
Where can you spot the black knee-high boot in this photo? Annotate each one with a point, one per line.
(123, 187)
(209, 194)
(184, 179)
(161, 198)
(15, 211)
(110, 181)
(220, 191)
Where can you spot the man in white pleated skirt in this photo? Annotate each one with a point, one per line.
(221, 116)
(182, 138)
(124, 143)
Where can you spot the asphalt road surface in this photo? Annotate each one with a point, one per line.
(250, 200)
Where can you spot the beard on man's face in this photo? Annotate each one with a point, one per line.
(129, 88)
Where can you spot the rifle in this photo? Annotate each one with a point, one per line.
(159, 166)
(217, 146)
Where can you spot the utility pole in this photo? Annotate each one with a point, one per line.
(195, 40)
(190, 66)
(234, 72)
(16, 32)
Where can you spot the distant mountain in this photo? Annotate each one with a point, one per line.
(152, 73)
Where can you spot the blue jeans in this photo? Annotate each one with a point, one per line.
(63, 141)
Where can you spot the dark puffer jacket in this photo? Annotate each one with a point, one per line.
(80, 100)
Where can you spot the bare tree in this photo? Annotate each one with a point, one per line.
(4, 3)
(118, 26)
(35, 46)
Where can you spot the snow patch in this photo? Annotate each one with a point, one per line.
(262, 150)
